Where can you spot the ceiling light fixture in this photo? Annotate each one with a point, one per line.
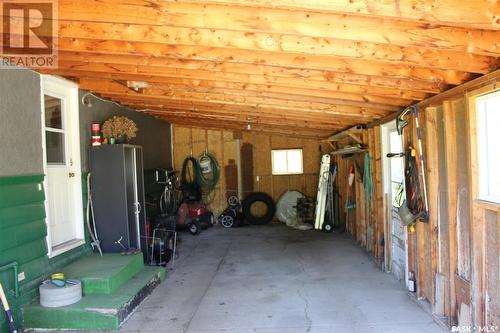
(269, 41)
(136, 85)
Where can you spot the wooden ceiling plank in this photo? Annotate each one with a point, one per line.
(243, 112)
(207, 122)
(284, 95)
(359, 98)
(113, 88)
(376, 86)
(254, 120)
(447, 12)
(293, 22)
(336, 111)
(344, 65)
(217, 106)
(391, 54)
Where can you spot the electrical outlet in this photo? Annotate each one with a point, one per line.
(21, 276)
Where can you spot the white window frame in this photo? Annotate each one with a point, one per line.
(483, 149)
(288, 172)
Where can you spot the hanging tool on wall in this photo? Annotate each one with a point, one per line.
(422, 165)
(349, 205)
(8, 313)
(402, 120)
(412, 207)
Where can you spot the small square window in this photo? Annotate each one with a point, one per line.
(287, 161)
(488, 136)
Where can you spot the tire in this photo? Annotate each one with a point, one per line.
(259, 197)
(194, 228)
(208, 219)
(327, 227)
(227, 221)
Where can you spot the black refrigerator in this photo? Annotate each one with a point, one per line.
(118, 196)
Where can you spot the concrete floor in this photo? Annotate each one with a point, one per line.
(274, 279)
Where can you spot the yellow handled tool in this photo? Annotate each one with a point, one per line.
(10, 319)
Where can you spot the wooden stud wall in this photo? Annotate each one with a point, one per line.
(223, 145)
(455, 255)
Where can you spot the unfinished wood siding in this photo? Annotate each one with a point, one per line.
(454, 255)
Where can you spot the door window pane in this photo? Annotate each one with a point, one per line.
(53, 112)
(54, 142)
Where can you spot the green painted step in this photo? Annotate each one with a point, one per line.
(104, 275)
(97, 311)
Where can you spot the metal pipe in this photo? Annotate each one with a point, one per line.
(238, 169)
(15, 266)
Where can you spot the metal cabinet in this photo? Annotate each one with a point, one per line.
(118, 196)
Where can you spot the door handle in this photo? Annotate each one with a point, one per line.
(137, 206)
(71, 174)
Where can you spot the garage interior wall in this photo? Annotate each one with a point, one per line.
(455, 255)
(153, 134)
(255, 161)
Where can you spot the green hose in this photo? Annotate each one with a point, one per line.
(207, 181)
(185, 182)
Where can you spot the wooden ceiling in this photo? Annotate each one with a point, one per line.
(297, 67)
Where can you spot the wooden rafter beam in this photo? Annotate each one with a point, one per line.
(207, 122)
(336, 65)
(312, 58)
(291, 22)
(289, 123)
(238, 94)
(339, 112)
(211, 106)
(349, 83)
(482, 14)
(300, 119)
(117, 91)
(345, 93)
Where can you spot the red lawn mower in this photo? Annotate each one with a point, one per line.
(194, 216)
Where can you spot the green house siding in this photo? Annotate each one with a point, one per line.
(22, 239)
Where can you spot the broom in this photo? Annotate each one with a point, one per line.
(10, 320)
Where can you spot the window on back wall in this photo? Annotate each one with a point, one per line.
(488, 137)
(287, 161)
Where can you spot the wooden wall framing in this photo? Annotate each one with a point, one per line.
(455, 255)
(223, 144)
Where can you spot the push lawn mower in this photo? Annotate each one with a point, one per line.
(232, 216)
(194, 216)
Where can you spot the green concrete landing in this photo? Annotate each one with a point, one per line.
(97, 311)
(104, 275)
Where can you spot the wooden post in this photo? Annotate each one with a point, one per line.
(432, 191)
(451, 171)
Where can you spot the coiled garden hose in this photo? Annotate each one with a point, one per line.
(185, 182)
(205, 180)
(208, 180)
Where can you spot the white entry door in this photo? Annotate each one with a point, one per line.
(394, 187)
(62, 165)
